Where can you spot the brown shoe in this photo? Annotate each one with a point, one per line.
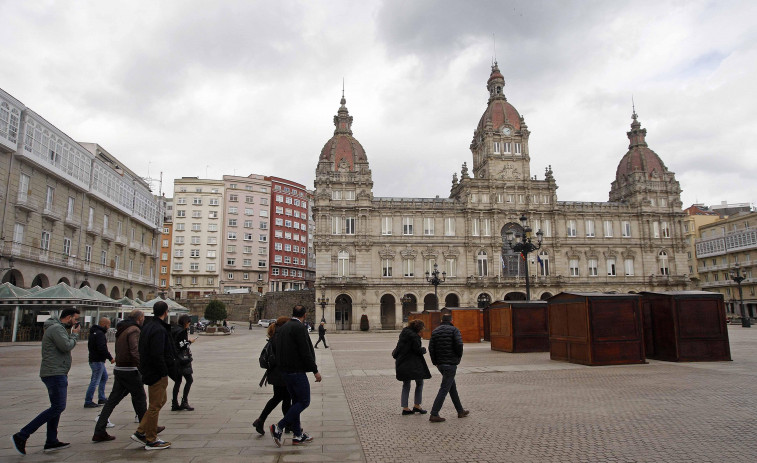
(102, 437)
(463, 414)
(160, 429)
(436, 419)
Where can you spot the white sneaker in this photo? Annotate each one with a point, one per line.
(109, 425)
(136, 418)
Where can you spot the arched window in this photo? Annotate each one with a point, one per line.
(343, 264)
(543, 260)
(482, 264)
(663, 258)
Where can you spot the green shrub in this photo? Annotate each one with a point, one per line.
(215, 311)
(364, 323)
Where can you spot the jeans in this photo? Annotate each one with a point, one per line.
(57, 389)
(157, 397)
(177, 385)
(124, 383)
(299, 389)
(406, 392)
(280, 394)
(99, 378)
(448, 386)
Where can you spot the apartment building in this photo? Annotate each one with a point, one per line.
(290, 204)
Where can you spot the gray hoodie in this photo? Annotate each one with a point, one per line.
(57, 345)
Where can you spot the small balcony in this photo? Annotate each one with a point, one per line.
(145, 249)
(108, 235)
(51, 213)
(93, 230)
(72, 221)
(121, 239)
(135, 245)
(26, 202)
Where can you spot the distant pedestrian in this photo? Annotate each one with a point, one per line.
(296, 357)
(184, 355)
(126, 377)
(157, 358)
(321, 335)
(274, 378)
(410, 365)
(446, 350)
(57, 344)
(98, 354)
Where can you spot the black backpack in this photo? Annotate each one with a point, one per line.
(267, 357)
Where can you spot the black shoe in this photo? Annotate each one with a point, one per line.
(419, 410)
(407, 412)
(301, 439)
(175, 407)
(185, 406)
(90, 405)
(102, 437)
(258, 425)
(56, 446)
(19, 443)
(139, 437)
(102, 401)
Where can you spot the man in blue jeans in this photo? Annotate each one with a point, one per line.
(98, 354)
(57, 345)
(446, 349)
(295, 356)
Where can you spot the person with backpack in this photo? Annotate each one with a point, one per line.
(184, 355)
(273, 377)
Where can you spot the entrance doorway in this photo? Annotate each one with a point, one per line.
(343, 312)
(387, 312)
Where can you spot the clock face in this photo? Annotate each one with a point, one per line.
(506, 131)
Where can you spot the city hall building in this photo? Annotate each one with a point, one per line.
(373, 253)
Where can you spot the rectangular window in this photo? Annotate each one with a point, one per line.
(18, 233)
(475, 228)
(231, 235)
(196, 214)
(87, 253)
(592, 267)
(573, 264)
(486, 227)
(517, 148)
(211, 267)
(213, 201)
(178, 266)
(625, 227)
(195, 240)
(506, 145)
(547, 227)
(45, 242)
(589, 228)
(611, 267)
(655, 230)
(386, 267)
(50, 197)
(451, 267)
(194, 266)
(232, 222)
(629, 267)
(428, 226)
(194, 253)
(408, 268)
(213, 214)
(336, 225)
(386, 225)
(664, 229)
(233, 210)
(197, 201)
(231, 261)
(349, 226)
(496, 147)
(571, 228)
(449, 226)
(407, 225)
(67, 246)
(608, 228)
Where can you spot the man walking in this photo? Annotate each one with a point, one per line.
(156, 359)
(446, 350)
(126, 377)
(98, 354)
(57, 344)
(295, 357)
(321, 335)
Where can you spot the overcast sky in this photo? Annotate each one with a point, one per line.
(206, 88)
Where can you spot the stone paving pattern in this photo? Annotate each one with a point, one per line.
(524, 408)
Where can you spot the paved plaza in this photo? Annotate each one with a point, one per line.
(524, 408)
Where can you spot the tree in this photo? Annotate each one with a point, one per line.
(215, 311)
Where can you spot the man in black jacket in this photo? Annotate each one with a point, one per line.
(156, 359)
(321, 335)
(295, 356)
(446, 350)
(98, 354)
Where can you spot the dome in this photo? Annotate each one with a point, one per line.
(639, 157)
(343, 150)
(499, 112)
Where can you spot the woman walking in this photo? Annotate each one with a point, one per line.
(184, 355)
(411, 366)
(274, 378)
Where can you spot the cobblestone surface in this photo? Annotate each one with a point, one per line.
(524, 407)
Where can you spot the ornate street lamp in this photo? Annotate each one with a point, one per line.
(434, 279)
(406, 299)
(323, 300)
(483, 301)
(738, 278)
(524, 246)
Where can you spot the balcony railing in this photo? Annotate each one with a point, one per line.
(108, 235)
(72, 221)
(51, 212)
(26, 202)
(121, 239)
(92, 229)
(34, 254)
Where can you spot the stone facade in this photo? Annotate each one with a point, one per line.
(72, 212)
(372, 251)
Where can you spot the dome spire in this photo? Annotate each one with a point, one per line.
(496, 83)
(637, 135)
(343, 120)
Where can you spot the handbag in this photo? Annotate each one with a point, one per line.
(185, 357)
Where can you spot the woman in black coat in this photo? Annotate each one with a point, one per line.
(274, 378)
(411, 366)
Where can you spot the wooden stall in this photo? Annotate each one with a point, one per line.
(468, 321)
(596, 328)
(519, 326)
(685, 326)
(485, 325)
(431, 319)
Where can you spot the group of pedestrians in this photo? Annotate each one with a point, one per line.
(291, 357)
(147, 354)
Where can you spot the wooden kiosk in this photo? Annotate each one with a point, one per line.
(467, 320)
(518, 326)
(431, 319)
(596, 328)
(685, 326)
